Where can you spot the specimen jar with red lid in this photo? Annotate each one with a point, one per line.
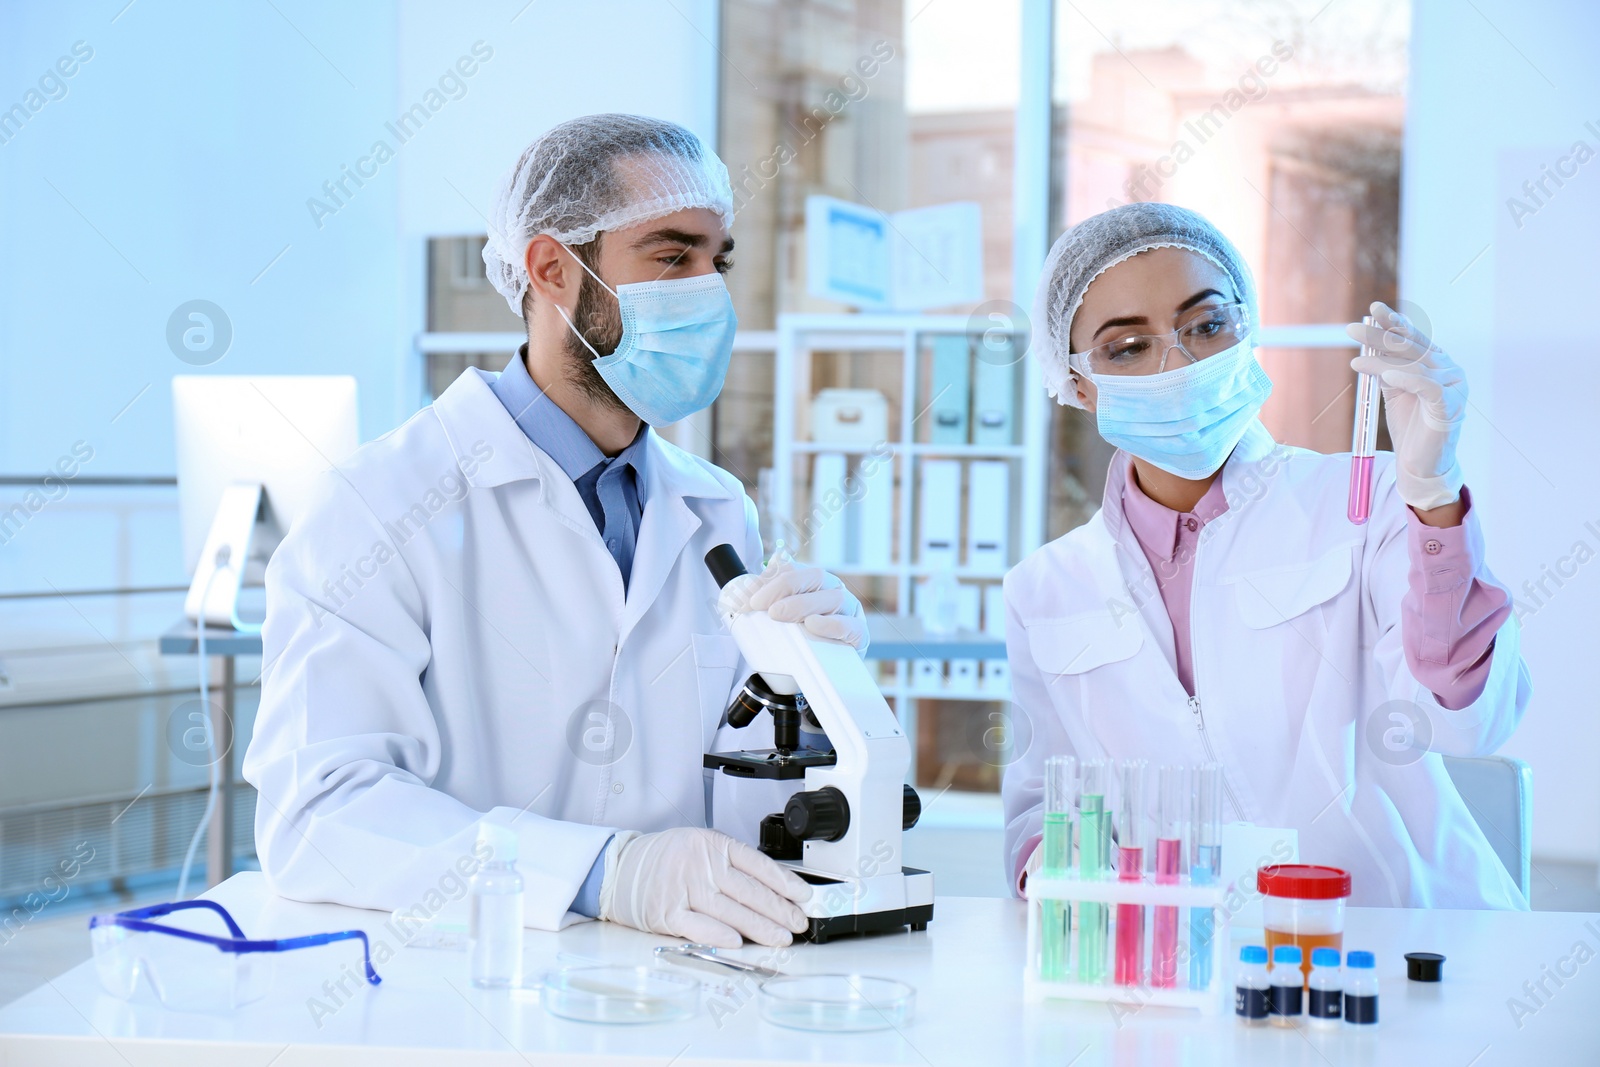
(1303, 904)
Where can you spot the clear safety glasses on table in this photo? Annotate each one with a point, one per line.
(1207, 332)
(188, 969)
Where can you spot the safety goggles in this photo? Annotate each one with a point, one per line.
(190, 970)
(1210, 331)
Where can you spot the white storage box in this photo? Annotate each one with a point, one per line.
(851, 417)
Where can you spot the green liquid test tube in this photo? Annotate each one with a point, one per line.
(1094, 860)
(1060, 782)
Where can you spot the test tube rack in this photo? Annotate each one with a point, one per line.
(1212, 1000)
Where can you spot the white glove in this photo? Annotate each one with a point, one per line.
(1035, 861)
(701, 885)
(1425, 403)
(791, 592)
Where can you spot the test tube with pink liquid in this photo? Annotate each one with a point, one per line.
(1130, 868)
(1364, 440)
(1173, 808)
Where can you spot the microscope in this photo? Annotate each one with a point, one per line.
(842, 832)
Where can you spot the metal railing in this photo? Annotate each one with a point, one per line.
(43, 481)
(138, 590)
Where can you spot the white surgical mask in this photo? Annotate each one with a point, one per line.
(677, 341)
(1185, 421)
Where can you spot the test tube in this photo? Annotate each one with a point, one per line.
(1130, 868)
(1174, 802)
(1060, 785)
(1205, 868)
(1094, 859)
(1363, 440)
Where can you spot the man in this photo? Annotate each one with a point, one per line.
(500, 610)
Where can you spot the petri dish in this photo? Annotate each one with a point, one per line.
(446, 931)
(619, 995)
(837, 1003)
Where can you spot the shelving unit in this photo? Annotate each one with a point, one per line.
(844, 343)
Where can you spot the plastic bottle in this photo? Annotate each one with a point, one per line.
(1251, 990)
(1360, 989)
(1302, 904)
(1325, 992)
(495, 924)
(1288, 986)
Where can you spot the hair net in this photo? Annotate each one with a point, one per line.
(1100, 242)
(596, 173)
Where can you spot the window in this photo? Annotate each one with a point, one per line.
(1279, 121)
(469, 324)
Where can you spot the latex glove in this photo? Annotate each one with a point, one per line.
(1425, 403)
(791, 592)
(1035, 862)
(701, 885)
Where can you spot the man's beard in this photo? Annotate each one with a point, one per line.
(598, 317)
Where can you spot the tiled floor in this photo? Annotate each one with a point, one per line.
(966, 861)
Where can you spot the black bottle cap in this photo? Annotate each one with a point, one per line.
(1424, 966)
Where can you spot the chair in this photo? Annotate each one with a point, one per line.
(1499, 793)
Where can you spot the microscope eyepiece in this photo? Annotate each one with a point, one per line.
(724, 564)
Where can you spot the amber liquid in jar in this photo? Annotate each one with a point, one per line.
(1308, 943)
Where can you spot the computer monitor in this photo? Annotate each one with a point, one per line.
(248, 451)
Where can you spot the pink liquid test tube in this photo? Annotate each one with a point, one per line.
(1173, 804)
(1363, 441)
(1129, 966)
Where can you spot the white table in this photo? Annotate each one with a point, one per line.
(966, 968)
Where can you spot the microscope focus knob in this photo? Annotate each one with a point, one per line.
(817, 815)
(911, 808)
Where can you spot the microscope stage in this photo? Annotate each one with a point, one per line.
(768, 763)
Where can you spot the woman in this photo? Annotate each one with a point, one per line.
(1221, 606)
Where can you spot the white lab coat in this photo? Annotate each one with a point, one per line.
(442, 627)
(1296, 649)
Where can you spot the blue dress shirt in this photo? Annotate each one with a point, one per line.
(612, 488)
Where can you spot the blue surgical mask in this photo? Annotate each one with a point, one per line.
(677, 340)
(1185, 421)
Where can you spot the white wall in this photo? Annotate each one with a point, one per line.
(1497, 90)
(556, 61)
(179, 165)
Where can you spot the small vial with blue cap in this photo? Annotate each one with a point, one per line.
(1252, 989)
(1324, 989)
(1287, 996)
(1360, 989)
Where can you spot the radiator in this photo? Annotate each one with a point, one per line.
(113, 838)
